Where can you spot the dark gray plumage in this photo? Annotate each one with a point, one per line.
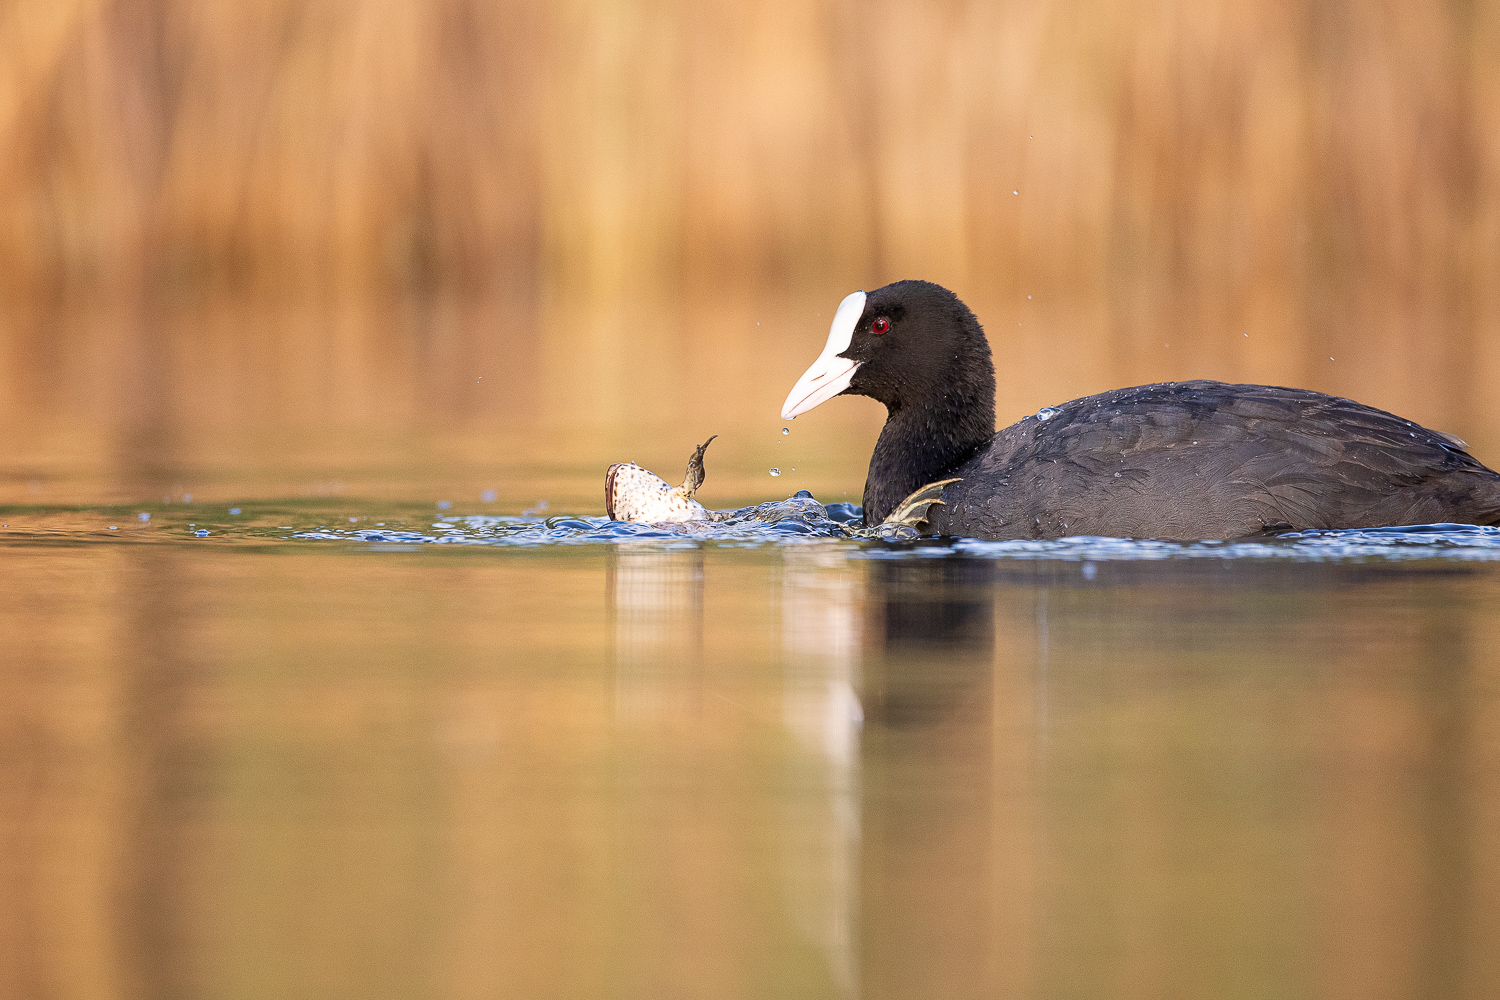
(1210, 460)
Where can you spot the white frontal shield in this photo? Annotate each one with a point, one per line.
(830, 374)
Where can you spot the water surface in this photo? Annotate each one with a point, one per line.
(330, 747)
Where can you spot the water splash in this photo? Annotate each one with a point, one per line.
(801, 518)
(797, 519)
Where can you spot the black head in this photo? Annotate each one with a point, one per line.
(919, 350)
(910, 344)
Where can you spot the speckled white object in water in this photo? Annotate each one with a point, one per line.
(632, 493)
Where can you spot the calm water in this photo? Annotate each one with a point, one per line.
(331, 747)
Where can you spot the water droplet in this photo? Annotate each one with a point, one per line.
(353, 520)
(775, 472)
(444, 504)
(1046, 413)
(235, 511)
(201, 532)
(114, 527)
(1015, 192)
(143, 517)
(488, 496)
(1330, 357)
(785, 431)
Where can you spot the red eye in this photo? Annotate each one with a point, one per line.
(881, 325)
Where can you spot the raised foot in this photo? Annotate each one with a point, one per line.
(913, 511)
(695, 470)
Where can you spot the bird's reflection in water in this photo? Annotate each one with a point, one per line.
(933, 623)
(886, 672)
(888, 669)
(942, 814)
(657, 601)
(821, 647)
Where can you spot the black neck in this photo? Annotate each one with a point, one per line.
(924, 443)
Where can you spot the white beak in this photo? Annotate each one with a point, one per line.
(830, 374)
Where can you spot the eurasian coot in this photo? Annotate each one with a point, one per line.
(1171, 460)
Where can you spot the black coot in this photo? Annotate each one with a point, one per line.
(1173, 460)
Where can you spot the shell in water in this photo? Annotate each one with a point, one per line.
(632, 493)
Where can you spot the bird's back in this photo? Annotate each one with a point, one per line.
(1210, 460)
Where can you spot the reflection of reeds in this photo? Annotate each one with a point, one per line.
(1244, 152)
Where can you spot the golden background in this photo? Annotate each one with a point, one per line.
(260, 247)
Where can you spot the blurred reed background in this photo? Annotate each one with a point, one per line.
(401, 236)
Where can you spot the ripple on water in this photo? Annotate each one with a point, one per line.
(796, 518)
(801, 518)
(1423, 541)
